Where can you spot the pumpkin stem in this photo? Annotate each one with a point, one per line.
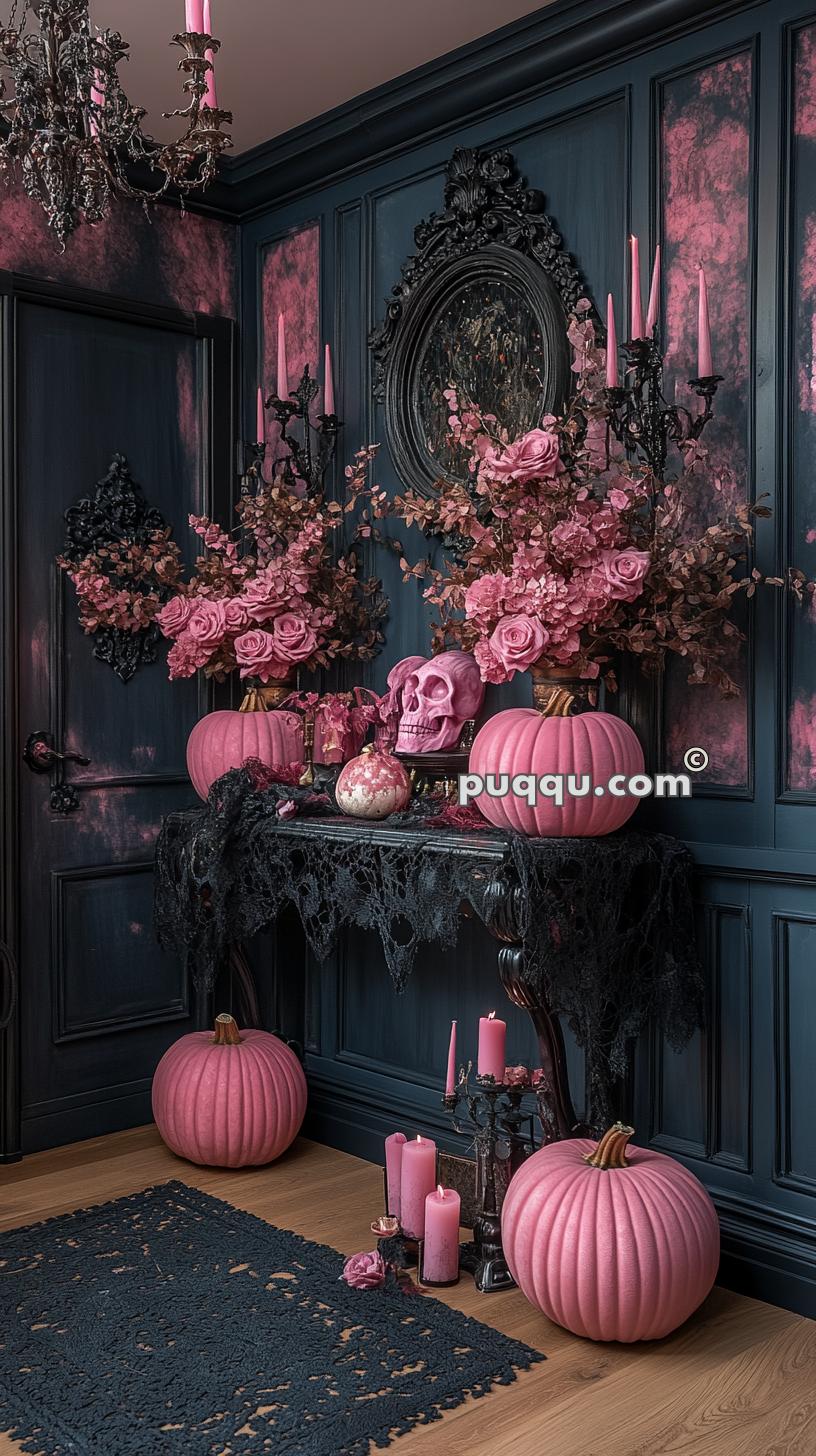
(555, 693)
(611, 1150)
(226, 1031)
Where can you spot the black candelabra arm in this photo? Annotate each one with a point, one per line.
(301, 464)
(640, 417)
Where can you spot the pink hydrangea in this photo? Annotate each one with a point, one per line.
(484, 598)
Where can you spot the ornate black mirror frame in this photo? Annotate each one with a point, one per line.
(493, 232)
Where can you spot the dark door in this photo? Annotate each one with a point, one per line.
(88, 379)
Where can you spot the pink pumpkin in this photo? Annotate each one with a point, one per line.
(373, 785)
(227, 739)
(611, 1249)
(232, 1099)
(524, 741)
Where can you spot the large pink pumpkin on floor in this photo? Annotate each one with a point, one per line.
(611, 1249)
(373, 785)
(524, 741)
(229, 1099)
(226, 739)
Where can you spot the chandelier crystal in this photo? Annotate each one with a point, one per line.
(70, 132)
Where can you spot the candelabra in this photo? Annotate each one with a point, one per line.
(640, 417)
(310, 446)
(72, 132)
(494, 1115)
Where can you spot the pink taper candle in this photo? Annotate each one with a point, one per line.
(260, 418)
(492, 1039)
(328, 383)
(450, 1080)
(393, 1170)
(654, 295)
(283, 368)
(210, 95)
(194, 16)
(417, 1181)
(705, 368)
(440, 1253)
(612, 376)
(636, 327)
(98, 98)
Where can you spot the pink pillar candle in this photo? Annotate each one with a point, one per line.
(440, 1252)
(194, 16)
(210, 95)
(393, 1170)
(492, 1039)
(450, 1080)
(283, 367)
(654, 295)
(260, 419)
(705, 368)
(612, 376)
(328, 384)
(418, 1180)
(636, 329)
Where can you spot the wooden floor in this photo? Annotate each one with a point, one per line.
(738, 1380)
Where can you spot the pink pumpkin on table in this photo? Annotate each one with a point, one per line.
(229, 1098)
(373, 785)
(609, 1247)
(226, 739)
(546, 740)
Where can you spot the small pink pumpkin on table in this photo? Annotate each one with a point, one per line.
(228, 1098)
(373, 785)
(612, 1242)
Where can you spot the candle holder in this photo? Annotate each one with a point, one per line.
(432, 1283)
(493, 1113)
(396, 1247)
(311, 447)
(640, 417)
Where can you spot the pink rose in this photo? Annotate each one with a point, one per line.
(175, 615)
(207, 624)
(364, 1271)
(256, 654)
(262, 596)
(294, 639)
(518, 642)
(236, 615)
(516, 1077)
(534, 455)
(625, 572)
(618, 499)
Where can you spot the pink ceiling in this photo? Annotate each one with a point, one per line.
(284, 61)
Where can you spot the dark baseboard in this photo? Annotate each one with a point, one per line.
(766, 1254)
(75, 1124)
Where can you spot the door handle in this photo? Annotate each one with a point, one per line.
(40, 755)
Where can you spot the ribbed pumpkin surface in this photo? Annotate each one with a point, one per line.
(616, 1254)
(522, 741)
(229, 1106)
(226, 739)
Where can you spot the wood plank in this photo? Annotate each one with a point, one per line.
(737, 1378)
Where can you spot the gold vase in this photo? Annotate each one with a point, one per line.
(264, 697)
(558, 693)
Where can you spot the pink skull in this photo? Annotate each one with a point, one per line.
(438, 697)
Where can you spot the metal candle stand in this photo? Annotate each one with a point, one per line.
(640, 417)
(309, 452)
(493, 1111)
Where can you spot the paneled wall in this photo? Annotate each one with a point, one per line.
(705, 142)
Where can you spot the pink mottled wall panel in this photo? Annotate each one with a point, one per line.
(706, 174)
(182, 260)
(290, 284)
(801, 748)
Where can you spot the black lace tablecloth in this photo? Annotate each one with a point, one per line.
(606, 925)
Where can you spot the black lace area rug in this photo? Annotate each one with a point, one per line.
(171, 1322)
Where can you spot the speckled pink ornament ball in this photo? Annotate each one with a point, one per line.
(373, 785)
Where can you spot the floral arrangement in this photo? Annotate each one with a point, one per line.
(273, 594)
(123, 584)
(564, 551)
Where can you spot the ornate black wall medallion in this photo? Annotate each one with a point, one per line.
(128, 542)
(482, 305)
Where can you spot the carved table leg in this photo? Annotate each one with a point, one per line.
(504, 921)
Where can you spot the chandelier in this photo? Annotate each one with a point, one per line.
(69, 130)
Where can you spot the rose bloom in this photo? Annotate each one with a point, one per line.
(364, 1271)
(625, 571)
(294, 639)
(535, 454)
(207, 624)
(257, 656)
(175, 615)
(518, 642)
(262, 596)
(236, 615)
